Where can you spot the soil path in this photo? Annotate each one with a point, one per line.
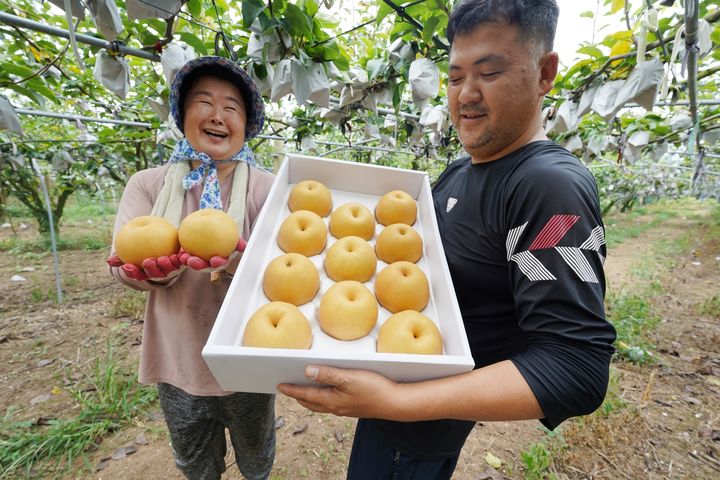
(664, 424)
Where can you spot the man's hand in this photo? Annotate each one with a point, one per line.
(349, 393)
(160, 268)
(215, 263)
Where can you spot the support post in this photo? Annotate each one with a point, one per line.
(56, 263)
(691, 49)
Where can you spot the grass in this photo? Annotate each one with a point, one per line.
(115, 399)
(631, 312)
(635, 225)
(108, 400)
(614, 401)
(620, 227)
(632, 316)
(130, 304)
(710, 307)
(86, 225)
(82, 207)
(537, 460)
(37, 295)
(714, 223)
(84, 239)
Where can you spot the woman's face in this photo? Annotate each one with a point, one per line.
(215, 118)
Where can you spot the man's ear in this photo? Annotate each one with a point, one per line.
(548, 71)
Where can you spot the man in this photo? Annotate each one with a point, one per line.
(522, 233)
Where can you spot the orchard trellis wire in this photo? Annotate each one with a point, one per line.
(691, 20)
(691, 23)
(64, 116)
(122, 49)
(360, 146)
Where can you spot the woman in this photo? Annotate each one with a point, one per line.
(218, 108)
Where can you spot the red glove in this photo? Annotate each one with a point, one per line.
(215, 263)
(160, 268)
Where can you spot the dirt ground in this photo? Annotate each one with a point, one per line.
(668, 424)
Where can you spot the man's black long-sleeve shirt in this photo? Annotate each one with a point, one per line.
(525, 245)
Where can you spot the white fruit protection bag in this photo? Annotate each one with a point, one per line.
(113, 72)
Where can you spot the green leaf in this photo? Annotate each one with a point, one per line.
(419, 11)
(250, 11)
(318, 33)
(278, 6)
(617, 5)
(194, 7)
(576, 68)
(662, 129)
(342, 63)
(260, 70)
(194, 42)
(331, 50)
(107, 133)
(321, 53)
(626, 35)
(297, 22)
(442, 66)
(397, 94)
(664, 23)
(38, 85)
(326, 21)
(31, 94)
(267, 23)
(401, 28)
(311, 7)
(383, 11)
(158, 25)
(588, 14)
(442, 24)
(715, 35)
(591, 50)
(148, 38)
(429, 29)
(17, 70)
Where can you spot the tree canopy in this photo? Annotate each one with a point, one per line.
(363, 74)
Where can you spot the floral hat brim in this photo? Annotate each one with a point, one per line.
(254, 101)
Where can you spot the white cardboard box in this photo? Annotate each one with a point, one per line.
(250, 369)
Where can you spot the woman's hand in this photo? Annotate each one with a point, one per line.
(160, 268)
(215, 263)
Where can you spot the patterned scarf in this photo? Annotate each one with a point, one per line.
(207, 170)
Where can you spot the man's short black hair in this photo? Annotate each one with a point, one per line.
(536, 19)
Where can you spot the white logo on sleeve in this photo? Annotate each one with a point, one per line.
(450, 204)
(549, 237)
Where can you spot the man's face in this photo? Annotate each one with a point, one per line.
(215, 117)
(494, 91)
